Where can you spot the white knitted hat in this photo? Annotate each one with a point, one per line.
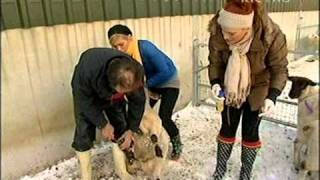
(233, 20)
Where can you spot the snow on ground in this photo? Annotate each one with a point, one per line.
(199, 127)
(307, 66)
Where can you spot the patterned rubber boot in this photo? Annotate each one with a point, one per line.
(176, 147)
(223, 155)
(248, 156)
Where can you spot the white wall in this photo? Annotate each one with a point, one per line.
(36, 69)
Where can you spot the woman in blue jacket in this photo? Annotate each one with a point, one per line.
(161, 77)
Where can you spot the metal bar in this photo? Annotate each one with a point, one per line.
(204, 85)
(309, 26)
(279, 122)
(202, 102)
(298, 27)
(303, 52)
(202, 68)
(200, 44)
(264, 118)
(195, 53)
(287, 102)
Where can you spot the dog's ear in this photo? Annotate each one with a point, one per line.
(307, 82)
(312, 83)
(303, 81)
(298, 85)
(291, 78)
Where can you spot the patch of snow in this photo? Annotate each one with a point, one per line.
(199, 127)
(307, 66)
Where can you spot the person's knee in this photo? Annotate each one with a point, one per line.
(250, 138)
(250, 132)
(165, 116)
(84, 136)
(82, 145)
(228, 132)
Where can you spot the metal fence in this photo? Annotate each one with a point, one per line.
(307, 40)
(307, 36)
(286, 110)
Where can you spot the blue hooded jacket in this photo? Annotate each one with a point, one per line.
(159, 68)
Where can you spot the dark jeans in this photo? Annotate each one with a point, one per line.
(169, 98)
(85, 131)
(250, 123)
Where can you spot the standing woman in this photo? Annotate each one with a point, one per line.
(248, 62)
(161, 74)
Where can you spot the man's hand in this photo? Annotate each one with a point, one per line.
(108, 132)
(127, 140)
(267, 108)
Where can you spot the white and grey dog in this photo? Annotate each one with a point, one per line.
(306, 145)
(149, 151)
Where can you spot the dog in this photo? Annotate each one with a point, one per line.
(149, 151)
(306, 145)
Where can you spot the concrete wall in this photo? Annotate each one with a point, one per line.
(36, 69)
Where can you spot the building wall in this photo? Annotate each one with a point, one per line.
(33, 13)
(36, 68)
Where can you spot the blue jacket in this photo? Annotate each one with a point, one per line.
(159, 68)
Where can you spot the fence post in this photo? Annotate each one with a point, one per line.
(195, 67)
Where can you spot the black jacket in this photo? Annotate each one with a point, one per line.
(92, 93)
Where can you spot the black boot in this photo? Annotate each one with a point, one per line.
(248, 156)
(223, 155)
(176, 147)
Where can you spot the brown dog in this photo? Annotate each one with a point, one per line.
(149, 151)
(306, 147)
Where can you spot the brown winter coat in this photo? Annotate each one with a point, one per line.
(267, 57)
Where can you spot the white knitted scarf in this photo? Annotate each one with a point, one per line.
(237, 79)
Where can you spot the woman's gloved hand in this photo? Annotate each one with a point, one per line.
(215, 90)
(267, 108)
(154, 95)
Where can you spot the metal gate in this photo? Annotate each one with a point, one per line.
(307, 40)
(286, 110)
(307, 36)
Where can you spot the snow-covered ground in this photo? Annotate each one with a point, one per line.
(199, 127)
(307, 66)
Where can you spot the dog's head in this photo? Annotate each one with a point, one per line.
(146, 147)
(298, 85)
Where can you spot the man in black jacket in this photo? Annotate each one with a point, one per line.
(104, 81)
